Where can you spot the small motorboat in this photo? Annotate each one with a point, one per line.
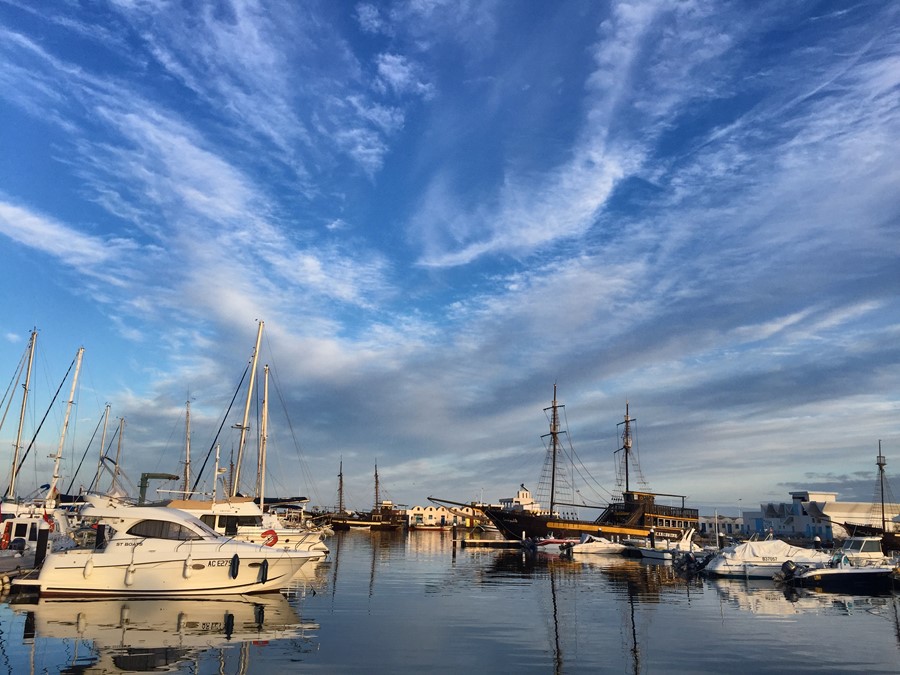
(841, 575)
(591, 544)
(761, 559)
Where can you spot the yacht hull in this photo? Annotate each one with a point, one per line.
(84, 573)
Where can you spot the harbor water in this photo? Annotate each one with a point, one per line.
(414, 602)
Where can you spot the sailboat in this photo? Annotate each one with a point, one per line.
(23, 518)
(383, 517)
(245, 517)
(631, 516)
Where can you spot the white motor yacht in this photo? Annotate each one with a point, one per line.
(158, 552)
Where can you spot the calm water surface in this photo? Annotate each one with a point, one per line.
(398, 603)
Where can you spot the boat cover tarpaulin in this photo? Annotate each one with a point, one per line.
(751, 551)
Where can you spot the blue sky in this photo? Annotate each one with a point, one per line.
(440, 209)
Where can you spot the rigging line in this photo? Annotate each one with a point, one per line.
(95, 484)
(304, 466)
(216, 438)
(87, 447)
(44, 418)
(581, 464)
(17, 375)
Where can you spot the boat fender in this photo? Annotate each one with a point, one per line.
(234, 567)
(229, 621)
(263, 575)
(187, 571)
(129, 575)
(270, 537)
(88, 568)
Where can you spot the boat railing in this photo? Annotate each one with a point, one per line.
(675, 511)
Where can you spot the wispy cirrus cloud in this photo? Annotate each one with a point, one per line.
(92, 256)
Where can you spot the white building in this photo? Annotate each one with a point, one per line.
(814, 514)
(727, 526)
(437, 516)
(523, 501)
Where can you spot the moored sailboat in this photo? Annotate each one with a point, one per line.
(382, 517)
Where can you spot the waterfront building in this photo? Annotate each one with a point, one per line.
(813, 514)
(728, 526)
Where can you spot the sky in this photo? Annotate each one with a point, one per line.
(442, 210)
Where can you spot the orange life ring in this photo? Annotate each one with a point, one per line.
(4, 540)
(270, 538)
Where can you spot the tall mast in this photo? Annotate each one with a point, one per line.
(341, 487)
(115, 480)
(187, 447)
(554, 446)
(218, 472)
(376, 488)
(626, 444)
(236, 479)
(96, 484)
(62, 438)
(11, 491)
(263, 438)
(881, 462)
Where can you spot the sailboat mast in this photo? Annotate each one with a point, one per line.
(115, 480)
(881, 462)
(11, 491)
(340, 507)
(236, 479)
(187, 447)
(263, 438)
(216, 475)
(62, 438)
(96, 482)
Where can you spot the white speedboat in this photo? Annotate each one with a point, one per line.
(841, 575)
(668, 551)
(591, 544)
(157, 552)
(864, 550)
(761, 559)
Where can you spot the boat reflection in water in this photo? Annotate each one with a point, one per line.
(125, 635)
(768, 598)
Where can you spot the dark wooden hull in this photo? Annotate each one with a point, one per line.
(520, 524)
(632, 516)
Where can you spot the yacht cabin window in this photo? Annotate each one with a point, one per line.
(162, 529)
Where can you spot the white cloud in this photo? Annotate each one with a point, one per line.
(399, 75)
(49, 236)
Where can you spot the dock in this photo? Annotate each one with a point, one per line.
(487, 543)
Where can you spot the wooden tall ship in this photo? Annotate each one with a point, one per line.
(632, 515)
(382, 517)
(887, 530)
